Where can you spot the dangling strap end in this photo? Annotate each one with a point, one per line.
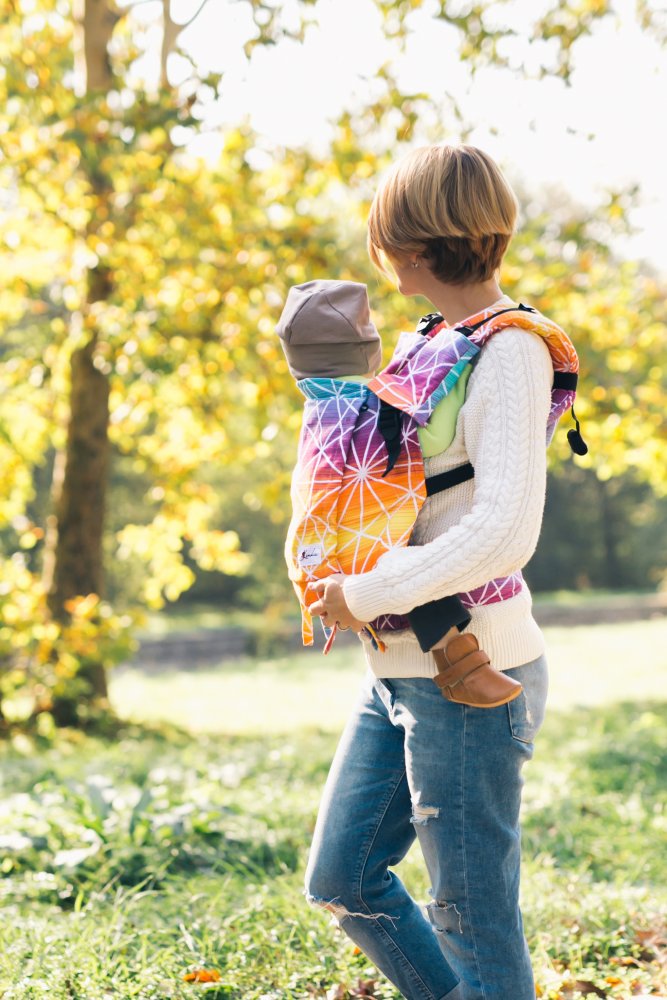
(330, 641)
(389, 425)
(391, 462)
(576, 441)
(375, 639)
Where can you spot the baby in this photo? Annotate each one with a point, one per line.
(346, 511)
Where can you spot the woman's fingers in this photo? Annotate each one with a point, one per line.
(319, 608)
(332, 604)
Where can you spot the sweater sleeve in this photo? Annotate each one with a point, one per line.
(506, 413)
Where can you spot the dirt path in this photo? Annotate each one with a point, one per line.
(609, 609)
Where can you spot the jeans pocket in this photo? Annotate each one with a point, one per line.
(526, 713)
(392, 692)
(386, 691)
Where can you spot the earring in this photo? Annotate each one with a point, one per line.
(415, 263)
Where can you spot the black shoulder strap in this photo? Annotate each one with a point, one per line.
(390, 418)
(389, 425)
(445, 480)
(501, 312)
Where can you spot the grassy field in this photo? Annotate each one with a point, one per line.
(182, 842)
(588, 667)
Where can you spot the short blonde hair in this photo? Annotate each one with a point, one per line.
(451, 205)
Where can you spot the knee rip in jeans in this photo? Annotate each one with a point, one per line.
(445, 917)
(422, 814)
(340, 912)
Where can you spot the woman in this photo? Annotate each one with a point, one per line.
(411, 763)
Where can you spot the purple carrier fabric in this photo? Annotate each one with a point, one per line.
(408, 384)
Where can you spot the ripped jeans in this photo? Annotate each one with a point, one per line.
(409, 763)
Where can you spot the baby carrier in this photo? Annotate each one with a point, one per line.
(359, 483)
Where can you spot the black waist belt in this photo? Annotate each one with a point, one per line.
(443, 481)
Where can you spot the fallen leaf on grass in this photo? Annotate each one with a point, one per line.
(582, 986)
(202, 976)
(363, 988)
(653, 941)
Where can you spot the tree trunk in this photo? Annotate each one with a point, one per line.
(73, 556)
(75, 564)
(79, 504)
(99, 20)
(73, 559)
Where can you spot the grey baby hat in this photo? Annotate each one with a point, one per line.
(326, 330)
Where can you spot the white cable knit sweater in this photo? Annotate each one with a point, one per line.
(481, 529)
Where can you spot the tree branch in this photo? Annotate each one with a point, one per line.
(125, 8)
(194, 16)
(172, 29)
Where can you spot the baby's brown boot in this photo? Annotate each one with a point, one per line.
(465, 675)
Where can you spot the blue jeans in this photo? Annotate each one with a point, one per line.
(409, 763)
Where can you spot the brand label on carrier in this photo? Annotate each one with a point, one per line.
(310, 555)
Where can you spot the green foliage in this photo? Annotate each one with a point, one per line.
(126, 863)
(484, 27)
(44, 659)
(616, 314)
(599, 533)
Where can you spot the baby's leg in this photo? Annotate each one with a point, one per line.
(433, 622)
(465, 674)
(441, 643)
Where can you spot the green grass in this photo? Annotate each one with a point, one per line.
(183, 843)
(588, 666)
(247, 695)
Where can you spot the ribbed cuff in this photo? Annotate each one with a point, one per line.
(365, 599)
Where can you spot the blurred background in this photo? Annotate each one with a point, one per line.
(168, 169)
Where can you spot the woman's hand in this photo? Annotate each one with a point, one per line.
(332, 606)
